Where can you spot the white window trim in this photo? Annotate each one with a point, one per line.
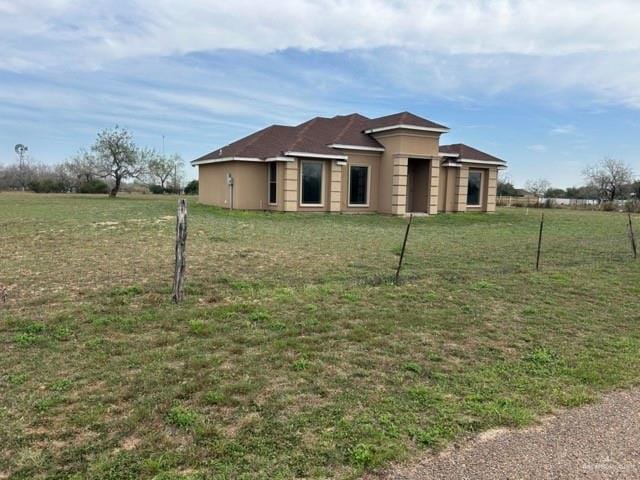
(481, 196)
(322, 184)
(359, 205)
(269, 202)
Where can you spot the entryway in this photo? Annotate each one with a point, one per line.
(417, 185)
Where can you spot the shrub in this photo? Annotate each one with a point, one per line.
(191, 188)
(93, 186)
(47, 186)
(156, 189)
(608, 206)
(632, 206)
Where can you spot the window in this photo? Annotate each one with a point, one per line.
(273, 182)
(474, 188)
(359, 185)
(311, 183)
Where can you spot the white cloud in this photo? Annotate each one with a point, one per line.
(567, 129)
(492, 45)
(488, 45)
(537, 148)
(160, 27)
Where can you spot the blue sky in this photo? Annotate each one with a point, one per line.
(550, 86)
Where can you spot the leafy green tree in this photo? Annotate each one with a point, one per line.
(191, 188)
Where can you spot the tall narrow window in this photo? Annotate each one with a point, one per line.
(311, 183)
(273, 182)
(358, 185)
(474, 188)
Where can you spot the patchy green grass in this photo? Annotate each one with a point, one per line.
(294, 355)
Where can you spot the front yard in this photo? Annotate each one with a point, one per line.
(293, 355)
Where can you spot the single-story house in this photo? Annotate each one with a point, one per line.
(350, 163)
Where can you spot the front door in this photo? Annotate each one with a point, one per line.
(417, 185)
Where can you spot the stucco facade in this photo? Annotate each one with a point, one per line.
(405, 171)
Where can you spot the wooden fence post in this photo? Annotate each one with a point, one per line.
(539, 242)
(404, 244)
(181, 262)
(632, 236)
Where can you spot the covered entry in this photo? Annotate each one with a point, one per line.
(418, 185)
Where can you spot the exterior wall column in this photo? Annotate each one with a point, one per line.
(462, 184)
(434, 186)
(335, 179)
(399, 188)
(492, 185)
(290, 186)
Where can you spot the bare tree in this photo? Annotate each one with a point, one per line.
(610, 177)
(162, 169)
(81, 167)
(537, 187)
(115, 155)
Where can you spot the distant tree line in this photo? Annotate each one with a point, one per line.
(605, 181)
(112, 163)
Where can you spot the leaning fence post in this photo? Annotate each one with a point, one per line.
(539, 242)
(404, 244)
(632, 237)
(181, 240)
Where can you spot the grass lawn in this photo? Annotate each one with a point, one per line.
(293, 355)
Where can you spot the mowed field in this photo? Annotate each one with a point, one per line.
(294, 356)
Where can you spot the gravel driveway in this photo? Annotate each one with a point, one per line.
(599, 441)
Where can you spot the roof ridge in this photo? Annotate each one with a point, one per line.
(345, 128)
(257, 137)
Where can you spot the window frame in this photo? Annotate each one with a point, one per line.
(368, 194)
(480, 193)
(271, 180)
(322, 183)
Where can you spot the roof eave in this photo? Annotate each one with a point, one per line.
(484, 162)
(204, 161)
(407, 127)
(355, 147)
(315, 155)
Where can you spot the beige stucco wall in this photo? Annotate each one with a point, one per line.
(443, 190)
(447, 192)
(249, 189)
(212, 179)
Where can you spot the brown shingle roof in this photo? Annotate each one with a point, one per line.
(470, 153)
(314, 136)
(403, 118)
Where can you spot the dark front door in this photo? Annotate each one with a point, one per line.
(417, 185)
